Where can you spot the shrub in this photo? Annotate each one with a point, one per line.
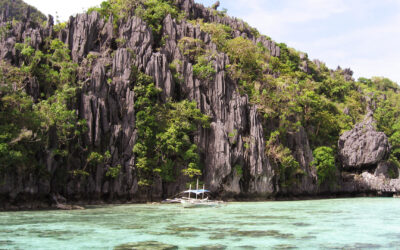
(95, 158)
(324, 162)
(220, 33)
(174, 66)
(289, 60)
(60, 26)
(246, 59)
(191, 48)
(153, 13)
(113, 172)
(289, 168)
(204, 69)
(238, 170)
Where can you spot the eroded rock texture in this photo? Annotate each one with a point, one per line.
(363, 146)
(234, 122)
(364, 151)
(370, 183)
(233, 148)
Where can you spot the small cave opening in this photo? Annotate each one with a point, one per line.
(113, 44)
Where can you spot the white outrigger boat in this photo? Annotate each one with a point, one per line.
(195, 202)
(185, 198)
(188, 202)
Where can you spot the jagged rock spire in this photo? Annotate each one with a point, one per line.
(5, 13)
(215, 5)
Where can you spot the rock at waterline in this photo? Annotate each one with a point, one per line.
(145, 245)
(69, 207)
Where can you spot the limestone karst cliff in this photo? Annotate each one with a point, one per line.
(269, 108)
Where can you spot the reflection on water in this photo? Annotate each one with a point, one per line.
(329, 224)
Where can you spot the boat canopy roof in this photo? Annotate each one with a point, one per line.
(197, 191)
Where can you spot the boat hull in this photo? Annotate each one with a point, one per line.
(195, 203)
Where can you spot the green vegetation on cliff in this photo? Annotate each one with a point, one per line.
(152, 12)
(385, 94)
(39, 96)
(28, 127)
(324, 162)
(165, 134)
(17, 9)
(291, 92)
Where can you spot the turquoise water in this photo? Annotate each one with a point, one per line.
(336, 223)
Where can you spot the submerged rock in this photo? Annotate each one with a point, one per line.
(69, 207)
(260, 234)
(285, 246)
(145, 245)
(209, 247)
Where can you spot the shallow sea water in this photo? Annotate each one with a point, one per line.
(357, 223)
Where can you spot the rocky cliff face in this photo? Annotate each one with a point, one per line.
(108, 106)
(235, 140)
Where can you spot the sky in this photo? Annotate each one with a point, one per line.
(363, 35)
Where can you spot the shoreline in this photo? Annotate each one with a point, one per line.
(81, 205)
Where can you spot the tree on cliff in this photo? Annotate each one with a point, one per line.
(324, 162)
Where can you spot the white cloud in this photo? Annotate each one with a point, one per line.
(279, 21)
(360, 34)
(369, 51)
(63, 9)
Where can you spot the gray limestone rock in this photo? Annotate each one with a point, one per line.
(299, 144)
(363, 146)
(236, 137)
(235, 140)
(233, 148)
(367, 182)
(387, 169)
(83, 34)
